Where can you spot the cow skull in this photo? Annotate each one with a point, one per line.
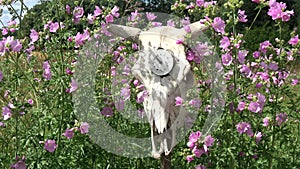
(163, 69)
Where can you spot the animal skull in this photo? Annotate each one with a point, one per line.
(163, 69)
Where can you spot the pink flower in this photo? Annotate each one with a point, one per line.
(196, 103)
(244, 127)
(281, 118)
(187, 28)
(97, 11)
(125, 92)
(219, 25)
(197, 152)
(294, 40)
(50, 146)
(226, 59)
(74, 86)
(189, 158)
(1, 76)
(194, 136)
(179, 41)
(224, 43)
(15, 45)
(34, 35)
(156, 24)
(47, 71)
(242, 17)
(150, 16)
(200, 3)
(69, 133)
(84, 128)
(90, 18)
(264, 45)
(294, 81)
(4, 31)
(78, 12)
(257, 1)
(209, 140)
(141, 96)
(241, 56)
(254, 107)
(241, 106)
(178, 101)
(114, 12)
(30, 101)
(200, 167)
(53, 27)
(6, 113)
(266, 121)
(68, 9)
(109, 18)
(107, 112)
(257, 137)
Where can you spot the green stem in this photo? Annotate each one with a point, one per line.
(255, 17)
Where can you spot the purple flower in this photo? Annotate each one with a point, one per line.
(34, 35)
(256, 54)
(241, 106)
(74, 86)
(241, 56)
(224, 43)
(1, 76)
(6, 113)
(53, 27)
(209, 140)
(254, 107)
(178, 101)
(219, 25)
(294, 40)
(97, 11)
(20, 164)
(244, 127)
(69, 133)
(200, 167)
(84, 128)
(125, 92)
(50, 145)
(245, 70)
(107, 112)
(15, 45)
(171, 23)
(141, 96)
(109, 18)
(294, 81)
(266, 121)
(150, 16)
(242, 17)
(119, 105)
(257, 137)
(47, 71)
(281, 118)
(68, 9)
(226, 59)
(264, 45)
(196, 103)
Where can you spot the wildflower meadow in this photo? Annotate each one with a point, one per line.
(69, 100)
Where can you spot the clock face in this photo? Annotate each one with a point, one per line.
(161, 61)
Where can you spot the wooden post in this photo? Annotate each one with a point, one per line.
(165, 161)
